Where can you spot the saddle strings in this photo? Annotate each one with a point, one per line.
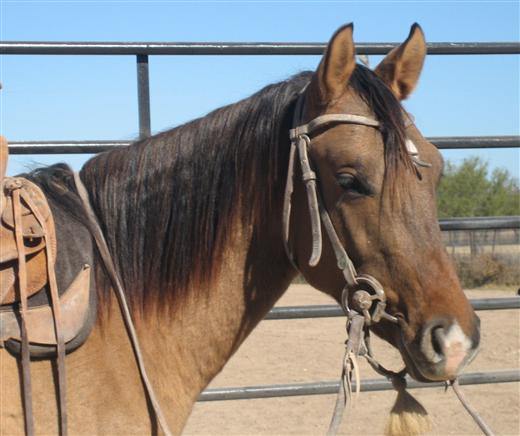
(56, 309)
(22, 289)
(14, 186)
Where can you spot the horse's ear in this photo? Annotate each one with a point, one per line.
(401, 68)
(337, 64)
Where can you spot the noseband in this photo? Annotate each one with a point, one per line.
(367, 290)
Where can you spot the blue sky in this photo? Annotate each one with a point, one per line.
(94, 97)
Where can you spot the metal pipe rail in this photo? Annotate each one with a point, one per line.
(141, 50)
(370, 385)
(239, 48)
(480, 223)
(331, 387)
(333, 310)
(144, 49)
(97, 146)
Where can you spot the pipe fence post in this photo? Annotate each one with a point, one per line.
(143, 96)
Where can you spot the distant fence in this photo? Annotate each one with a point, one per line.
(143, 50)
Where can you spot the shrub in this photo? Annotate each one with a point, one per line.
(486, 269)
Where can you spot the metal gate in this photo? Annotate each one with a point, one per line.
(142, 51)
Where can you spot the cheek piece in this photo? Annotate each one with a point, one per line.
(364, 291)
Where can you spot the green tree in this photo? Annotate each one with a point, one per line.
(468, 190)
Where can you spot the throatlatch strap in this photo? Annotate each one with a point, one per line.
(120, 293)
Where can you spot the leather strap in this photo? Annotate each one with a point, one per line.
(355, 327)
(300, 143)
(18, 195)
(286, 218)
(56, 308)
(309, 179)
(121, 298)
(22, 289)
(484, 427)
(343, 261)
(327, 120)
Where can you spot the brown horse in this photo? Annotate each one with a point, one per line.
(193, 219)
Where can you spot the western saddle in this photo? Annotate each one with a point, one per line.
(28, 251)
(28, 248)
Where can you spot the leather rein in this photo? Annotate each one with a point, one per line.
(117, 285)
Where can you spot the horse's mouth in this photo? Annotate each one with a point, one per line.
(411, 367)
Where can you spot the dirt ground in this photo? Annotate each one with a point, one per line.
(310, 350)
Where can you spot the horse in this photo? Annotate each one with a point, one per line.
(193, 220)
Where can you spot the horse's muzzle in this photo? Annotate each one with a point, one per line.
(442, 350)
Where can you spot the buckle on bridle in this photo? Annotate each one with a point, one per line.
(369, 299)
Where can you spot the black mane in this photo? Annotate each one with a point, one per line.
(166, 204)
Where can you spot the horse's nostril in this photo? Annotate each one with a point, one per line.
(438, 338)
(444, 343)
(432, 342)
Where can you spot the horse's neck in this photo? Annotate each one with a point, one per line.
(203, 333)
(187, 348)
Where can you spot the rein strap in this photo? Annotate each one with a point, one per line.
(121, 298)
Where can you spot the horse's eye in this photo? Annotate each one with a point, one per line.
(346, 181)
(351, 184)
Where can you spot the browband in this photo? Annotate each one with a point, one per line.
(324, 120)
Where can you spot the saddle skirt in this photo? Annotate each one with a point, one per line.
(74, 304)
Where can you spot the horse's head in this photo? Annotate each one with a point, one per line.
(382, 204)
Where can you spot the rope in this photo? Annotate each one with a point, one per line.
(472, 412)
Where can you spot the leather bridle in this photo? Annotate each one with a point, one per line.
(367, 289)
(369, 298)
